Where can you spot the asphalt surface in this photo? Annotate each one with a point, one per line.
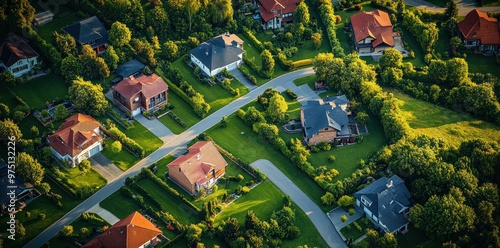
(320, 220)
(169, 146)
(105, 167)
(464, 6)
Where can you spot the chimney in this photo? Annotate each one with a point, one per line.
(227, 34)
(389, 184)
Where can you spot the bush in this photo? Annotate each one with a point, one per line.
(357, 226)
(358, 7)
(303, 62)
(128, 142)
(343, 218)
(291, 94)
(332, 158)
(352, 211)
(248, 75)
(249, 34)
(245, 189)
(240, 177)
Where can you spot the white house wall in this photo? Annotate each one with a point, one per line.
(201, 65)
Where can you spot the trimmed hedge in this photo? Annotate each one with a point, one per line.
(285, 63)
(303, 62)
(248, 75)
(256, 42)
(329, 19)
(128, 142)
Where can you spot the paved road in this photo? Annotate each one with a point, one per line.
(464, 6)
(166, 148)
(318, 218)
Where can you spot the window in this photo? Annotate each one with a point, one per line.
(136, 99)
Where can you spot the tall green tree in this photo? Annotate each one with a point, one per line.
(458, 71)
(84, 166)
(29, 168)
(65, 43)
(316, 38)
(391, 58)
(9, 129)
(451, 10)
(16, 14)
(159, 20)
(61, 112)
(119, 34)
(87, 97)
(267, 63)
(191, 7)
(301, 13)
(4, 111)
(170, 50)
(221, 11)
(111, 58)
(71, 67)
(277, 108)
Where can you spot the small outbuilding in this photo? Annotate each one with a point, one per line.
(43, 18)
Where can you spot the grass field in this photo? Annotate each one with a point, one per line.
(250, 147)
(91, 178)
(183, 110)
(483, 64)
(123, 160)
(40, 90)
(125, 207)
(451, 126)
(215, 95)
(142, 136)
(309, 80)
(78, 224)
(45, 31)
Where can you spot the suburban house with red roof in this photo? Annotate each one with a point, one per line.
(133, 231)
(480, 31)
(372, 31)
(222, 52)
(135, 95)
(276, 12)
(78, 138)
(17, 56)
(202, 166)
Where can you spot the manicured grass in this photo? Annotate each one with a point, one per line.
(451, 126)
(28, 122)
(308, 233)
(309, 80)
(162, 165)
(215, 95)
(183, 110)
(119, 204)
(123, 160)
(33, 225)
(483, 64)
(415, 238)
(351, 232)
(249, 147)
(414, 46)
(183, 213)
(45, 31)
(78, 224)
(91, 178)
(348, 157)
(40, 90)
(7, 98)
(142, 136)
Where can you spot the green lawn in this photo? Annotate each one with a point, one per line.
(483, 64)
(44, 205)
(216, 96)
(40, 90)
(183, 110)
(7, 98)
(162, 165)
(249, 147)
(449, 125)
(350, 230)
(123, 160)
(120, 205)
(142, 136)
(30, 121)
(45, 31)
(77, 179)
(78, 224)
(309, 80)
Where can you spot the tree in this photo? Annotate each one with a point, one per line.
(438, 71)
(128, 12)
(44, 188)
(401, 7)
(9, 129)
(251, 221)
(193, 234)
(16, 14)
(267, 63)
(158, 19)
(119, 35)
(362, 118)
(111, 58)
(18, 116)
(170, 50)
(116, 146)
(346, 201)
(391, 58)
(316, 38)
(277, 108)
(61, 112)
(191, 7)
(29, 168)
(87, 97)
(65, 43)
(299, 151)
(4, 111)
(20, 230)
(451, 10)
(67, 231)
(253, 116)
(301, 13)
(458, 71)
(327, 199)
(34, 131)
(101, 68)
(231, 229)
(221, 11)
(85, 232)
(71, 67)
(84, 166)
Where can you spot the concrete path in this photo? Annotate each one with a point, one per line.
(318, 218)
(167, 147)
(335, 215)
(105, 214)
(105, 167)
(237, 73)
(156, 127)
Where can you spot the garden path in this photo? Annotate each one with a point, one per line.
(335, 215)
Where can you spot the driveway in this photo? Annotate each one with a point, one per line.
(156, 127)
(318, 218)
(237, 73)
(105, 167)
(335, 215)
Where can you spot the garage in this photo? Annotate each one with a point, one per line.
(232, 66)
(136, 112)
(94, 150)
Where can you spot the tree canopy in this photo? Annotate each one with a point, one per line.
(29, 168)
(87, 97)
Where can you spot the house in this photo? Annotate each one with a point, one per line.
(202, 166)
(133, 231)
(78, 138)
(23, 192)
(274, 13)
(326, 120)
(42, 18)
(131, 68)
(386, 202)
(142, 94)
(89, 31)
(480, 31)
(17, 56)
(372, 31)
(222, 52)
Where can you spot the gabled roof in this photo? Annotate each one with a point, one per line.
(88, 30)
(375, 24)
(14, 48)
(133, 231)
(202, 157)
(478, 26)
(129, 68)
(268, 8)
(387, 198)
(7, 183)
(321, 114)
(75, 134)
(217, 53)
(148, 86)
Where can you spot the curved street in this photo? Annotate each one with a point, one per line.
(182, 139)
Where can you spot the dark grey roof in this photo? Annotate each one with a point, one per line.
(87, 30)
(388, 197)
(338, 100)
(5, 185)
(129, 68)
(319, 114)
(215, 54)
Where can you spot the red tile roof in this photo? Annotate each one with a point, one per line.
(268, 8)
(14, 48)
(200, 160)
(478, 26)
(133, 231)
(148, 86)
(375, 24)
(75, 134)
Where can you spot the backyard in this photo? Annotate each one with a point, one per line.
(183, 110)
(75, 179)
(78, 224)
(45, 31)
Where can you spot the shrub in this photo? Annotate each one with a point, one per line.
(128, 142)
(338, 19)
(303, 62)
(249, 34)
(343, 218)
(41, 216)
(240, 177)
(351, 211)
(358, 7)
(248, 75)
(291, 94)
(332, 158)
(357, 226)
(245, 189)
